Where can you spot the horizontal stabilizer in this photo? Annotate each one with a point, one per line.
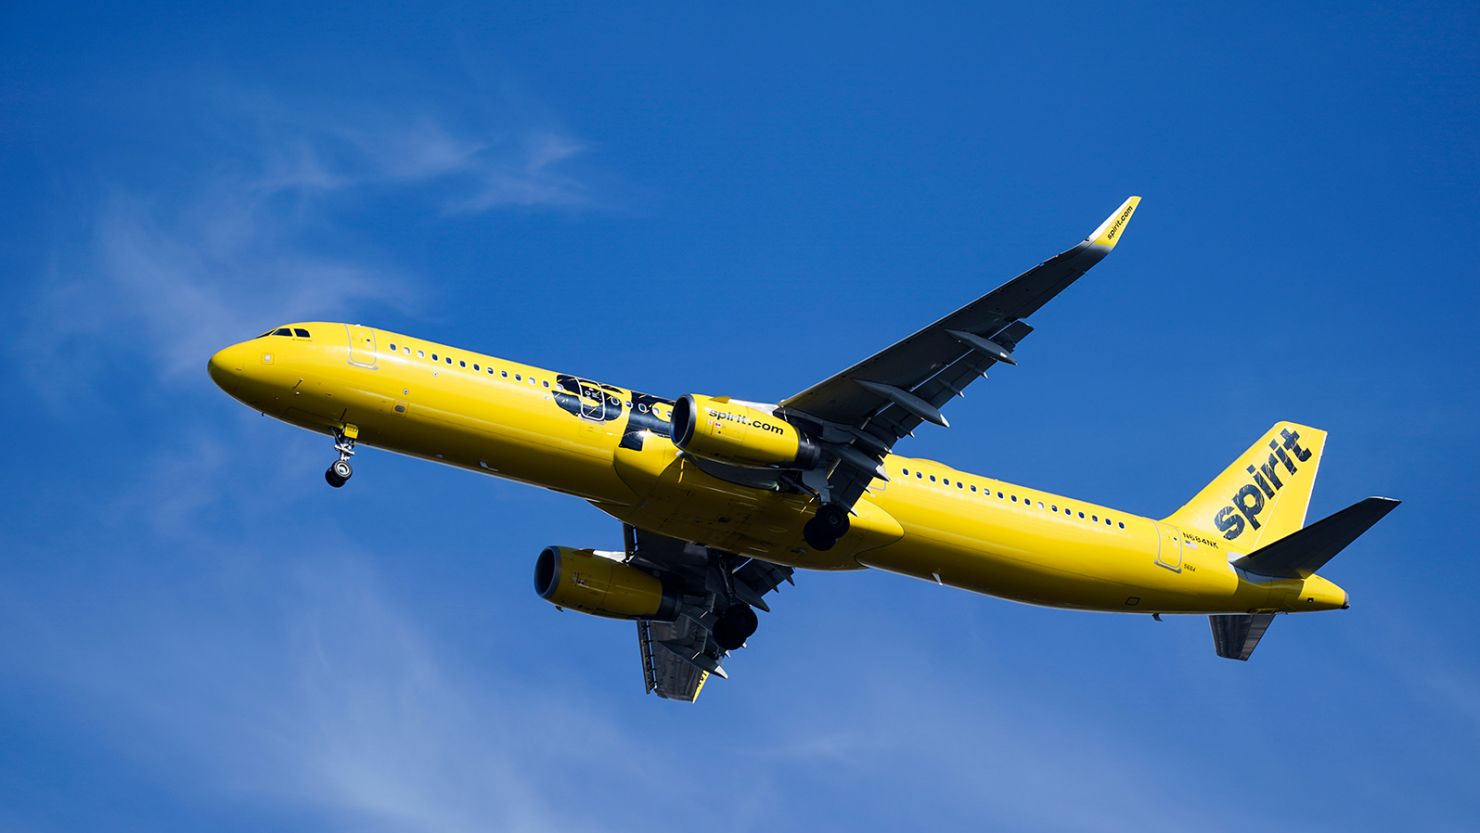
(1236, 636)
(1305, 551)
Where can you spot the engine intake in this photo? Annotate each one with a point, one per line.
(602, 585)
(718, 429)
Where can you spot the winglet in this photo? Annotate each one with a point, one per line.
(1108, 234)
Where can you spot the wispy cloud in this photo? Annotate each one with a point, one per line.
(259, 230)
(993, 758)
(462, 172)
(316, 692)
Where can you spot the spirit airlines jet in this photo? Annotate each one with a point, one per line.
(722, 499)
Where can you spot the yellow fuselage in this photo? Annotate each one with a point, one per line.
(608, 445)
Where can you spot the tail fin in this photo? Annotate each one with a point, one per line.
(1264, 494)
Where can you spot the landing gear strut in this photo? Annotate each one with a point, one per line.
(826, 527)
(340, 471)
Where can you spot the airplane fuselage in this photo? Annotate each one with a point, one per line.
(611, 446)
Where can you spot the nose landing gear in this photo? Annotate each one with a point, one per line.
(339, 472)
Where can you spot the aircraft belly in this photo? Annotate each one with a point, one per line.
(675, 497)
(1044, 563)
(471, 424)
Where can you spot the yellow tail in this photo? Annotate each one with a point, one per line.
(1263, 496)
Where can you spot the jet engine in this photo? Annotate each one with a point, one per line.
(601, 584)
(717, 428)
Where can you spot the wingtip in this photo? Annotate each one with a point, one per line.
(1109, 232)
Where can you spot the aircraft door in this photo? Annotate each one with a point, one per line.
(361, 345)
(595, 402)
(1169, 548)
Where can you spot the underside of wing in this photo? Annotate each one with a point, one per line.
(667, 666)
(715, 617)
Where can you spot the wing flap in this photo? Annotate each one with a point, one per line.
(665, 672)
(679, 656)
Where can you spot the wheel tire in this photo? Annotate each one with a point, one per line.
(332, 479)
(735, 625)
(834, 519)
(817, 536)
(342, 470)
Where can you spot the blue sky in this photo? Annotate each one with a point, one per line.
(196, 633)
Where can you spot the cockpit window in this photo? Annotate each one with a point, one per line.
(282, 331)
(300, 332)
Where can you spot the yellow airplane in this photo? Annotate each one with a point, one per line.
(722, 499)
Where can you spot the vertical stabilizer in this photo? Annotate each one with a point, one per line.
(1264, 494)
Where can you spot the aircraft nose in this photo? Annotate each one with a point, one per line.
(228, 365)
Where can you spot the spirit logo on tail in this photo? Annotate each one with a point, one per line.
(1248, 501)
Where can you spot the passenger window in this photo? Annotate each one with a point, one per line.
(490, 371)
(406, 350)
(946, 480)
(434, 357)
(421, 354)
(476, 367)
(1054, 507)
(1040, 504)
(960, 485)
(1107, 522)
(1000, 495)
(448, 359)
(302, 333)
(973, 488)
(1095, 518)
(932, 478)
(918, 475)
(461, 363)
(547, 384)
(504, 373)
(1122, 524)
(282, 331)
(518, 378)
(1081, 514)
(1014, 498)
(905, 472)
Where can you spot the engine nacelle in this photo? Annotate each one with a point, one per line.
(718, 429)
(601, 584)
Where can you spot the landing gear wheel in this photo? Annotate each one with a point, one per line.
(735, 625)
(339, 471)
(833, 518)
(817, 536)
(826, 527)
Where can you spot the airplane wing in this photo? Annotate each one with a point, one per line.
(862, 411)
(678, 656)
